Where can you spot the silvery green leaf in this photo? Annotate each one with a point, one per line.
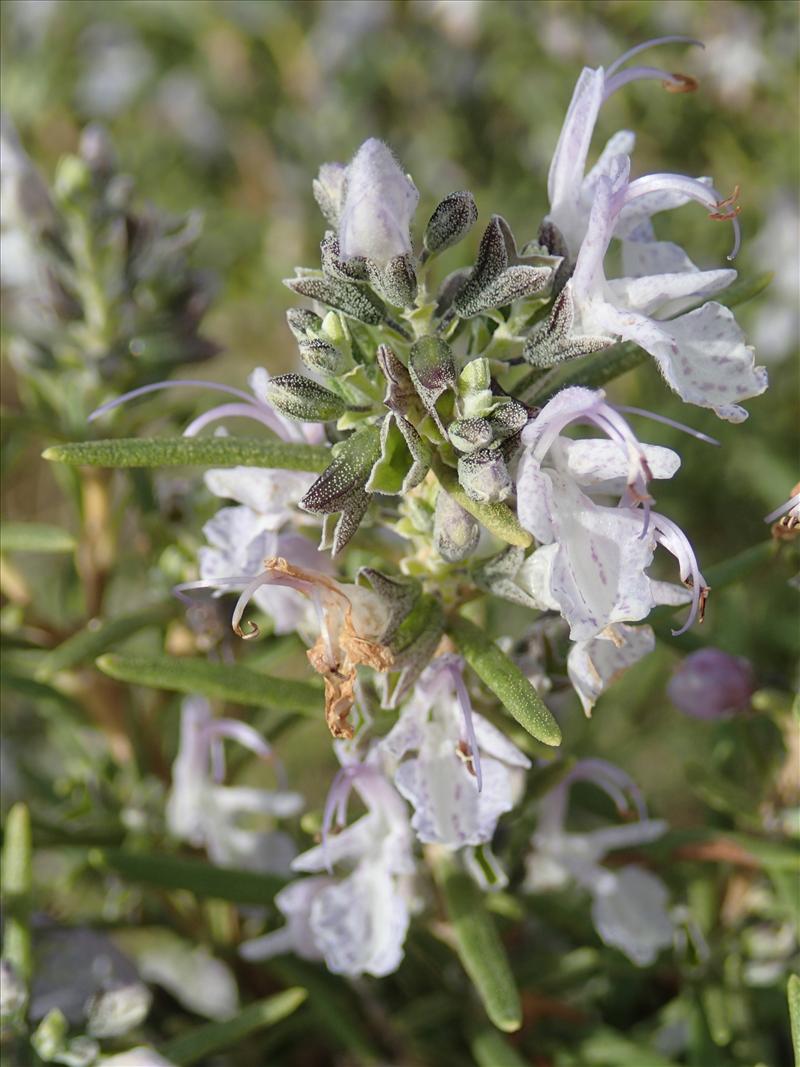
(433, 373)
(395, 281)
(350, 520)
(301, 398)
(343, 481)
(302, 322)
(496, 576)
(449, 289)
(484, 476)
(414, 642)
(512, 284)
(405, 458)
(400, 391)
(350, 270)
(399, 594)
(467, 435)
(455, 532)
(353, 300)
(552, 341)
(451, 220)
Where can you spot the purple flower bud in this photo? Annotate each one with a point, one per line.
(711, 684)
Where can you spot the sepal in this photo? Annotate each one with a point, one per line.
(395, 281)
(451, 220)
(455, 532)
(433, 373)
(484, 476)
(301, 398)
(353, 300)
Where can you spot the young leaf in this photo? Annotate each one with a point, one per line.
(89, 643)
(34, 537)
(793, 993)
(197, 876)
(490, 1049)
(191, 452)
(505, 680)
(214, 1037)
(218, 681)
(17, 877)
(479, 946)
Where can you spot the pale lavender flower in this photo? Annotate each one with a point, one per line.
(570, 190)
(377, 206)
(356, 922)
(207, 814)
(592, 561)
(711, 684)
(701, 354)
(629, 904)
(594, 664)
(463, 773)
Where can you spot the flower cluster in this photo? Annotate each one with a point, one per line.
(452, 450)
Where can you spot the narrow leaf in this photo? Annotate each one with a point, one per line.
(491, 1049)
(479, 946)
(17, 877)
(793, 993)
(34, 537)
(214, 1037)
(191, 452)
(196, 876)
(90, 642)
(218, 681)
(505, 680)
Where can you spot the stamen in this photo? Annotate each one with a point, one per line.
(241, 411)
(654, 42)
(680, 83)
(613, 781)
(454, 671)
(154, 387)
(247, 594)
(673, 83)
(180, 591)
(672, 537)
(793, 502)
(667, 422)
(719, 208)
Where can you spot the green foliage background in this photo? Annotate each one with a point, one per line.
(230, 108)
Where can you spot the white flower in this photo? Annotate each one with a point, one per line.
(629, 905)
(378, 205)
(358, 922)
(570, 190)
(465, 774)
(594, 664)
(210, 815)
(701, 354)
(591, 566)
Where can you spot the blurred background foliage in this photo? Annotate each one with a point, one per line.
(230, 107)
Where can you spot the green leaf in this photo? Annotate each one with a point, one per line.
(491, 1049)
(214, 1037)
(191, 452)
(197, 876)
(17, 878)
(744, 289)
(793, 993)
(505, 680)
(497, 518)
(331, 1003)
(89, 643)
(218, 681)
(478, 944)
(34, 537)
(609, 1048)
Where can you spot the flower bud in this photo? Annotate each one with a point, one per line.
(379, 202)
(301, 322)
(484, 476)
(467, 435)
(452, 219)
(455, 532)
(322, 358)
(710, 684)
(301, 398)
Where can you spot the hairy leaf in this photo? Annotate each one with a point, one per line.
(191, 452)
